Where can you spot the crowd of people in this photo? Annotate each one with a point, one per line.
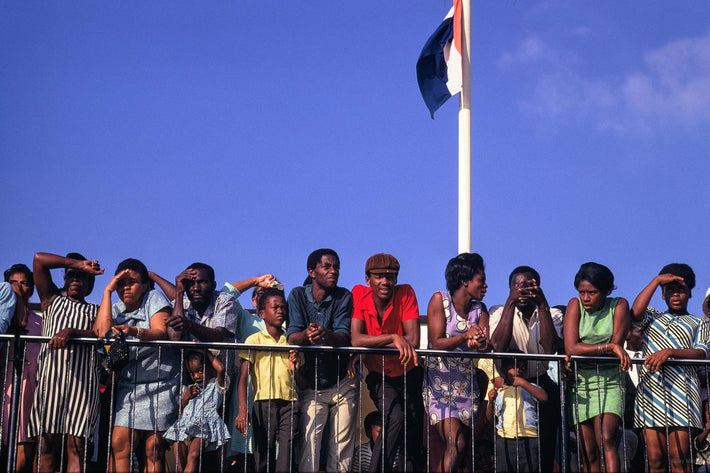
(298, 410)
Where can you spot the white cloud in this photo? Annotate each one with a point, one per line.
(671, 87)
(530, 50)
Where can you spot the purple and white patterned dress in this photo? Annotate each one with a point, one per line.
(451, 389)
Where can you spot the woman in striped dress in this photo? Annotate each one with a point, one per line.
(67, 396)
(668, 400)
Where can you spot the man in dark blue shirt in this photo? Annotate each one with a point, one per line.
(319, 314)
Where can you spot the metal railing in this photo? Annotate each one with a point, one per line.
(412, 450)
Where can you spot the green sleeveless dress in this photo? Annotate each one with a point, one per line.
(599, 388)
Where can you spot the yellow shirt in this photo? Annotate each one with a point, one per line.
(271, 375)
(516, 412)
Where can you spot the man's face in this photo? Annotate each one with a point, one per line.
(201, 288)
(521, 281)
(326, 273)
(382, 285)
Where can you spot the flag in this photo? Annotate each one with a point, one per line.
(440, 64)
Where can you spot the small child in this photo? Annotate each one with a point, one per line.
(200, 427)
(514, 399)
(363, 452)
(275, 411)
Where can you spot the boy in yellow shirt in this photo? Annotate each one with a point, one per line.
(514, 400)
(275, 412)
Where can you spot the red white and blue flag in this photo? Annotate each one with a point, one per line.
(439, 67)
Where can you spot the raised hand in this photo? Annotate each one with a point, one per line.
(184, 280)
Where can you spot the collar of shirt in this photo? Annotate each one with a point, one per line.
(371, 309)
(137, 314)
(192, 313)
(309, 296)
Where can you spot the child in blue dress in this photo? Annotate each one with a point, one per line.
(200, 427)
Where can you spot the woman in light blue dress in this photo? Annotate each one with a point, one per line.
(147, 390)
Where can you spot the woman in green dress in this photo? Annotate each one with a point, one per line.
(595, 325)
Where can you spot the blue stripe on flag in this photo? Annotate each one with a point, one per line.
(431, 67)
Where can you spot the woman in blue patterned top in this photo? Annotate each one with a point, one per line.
(668, 399)
(147, 391)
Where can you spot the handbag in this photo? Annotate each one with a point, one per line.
(117, 355)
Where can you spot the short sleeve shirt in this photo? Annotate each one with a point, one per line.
(146, 363)
(247, 322)
(334, 313)
(271, 375)
(222, 312)
(402, 307)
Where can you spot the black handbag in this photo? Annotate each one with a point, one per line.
(117, 355)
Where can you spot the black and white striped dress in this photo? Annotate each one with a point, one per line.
(67, 396)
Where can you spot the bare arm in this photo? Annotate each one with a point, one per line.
(405, 344)
(548, 335)
(241, 421)
(218, 368)
(104, 319)
(436, 326)
(44, 262)
(573, 345)
(264, 281)
(166, 286)
(535, 391)
(638, 309)
(504, 330)
(19, 318)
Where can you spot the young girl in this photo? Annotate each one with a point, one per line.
(594, 325)
(200, 427)
(668, 399)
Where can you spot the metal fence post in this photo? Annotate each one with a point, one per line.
(17, 365)
(564, 428)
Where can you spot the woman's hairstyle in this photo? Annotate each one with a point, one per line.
(682, 270)
(20, 268)
(523, 270)
(264, 296)
(137, 266)
(597, 275)
(462, 268)
(90, 277)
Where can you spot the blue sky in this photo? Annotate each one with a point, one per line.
(246, 134)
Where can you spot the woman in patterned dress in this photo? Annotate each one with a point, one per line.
(147, 391)
(668, 400)
(457, 321)
(596, 324)
(67, 394)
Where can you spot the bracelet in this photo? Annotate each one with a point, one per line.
(139, 332)
(599, 349)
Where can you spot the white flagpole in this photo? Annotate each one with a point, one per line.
(465, 135)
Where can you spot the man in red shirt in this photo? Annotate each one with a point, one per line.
(387, 315)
